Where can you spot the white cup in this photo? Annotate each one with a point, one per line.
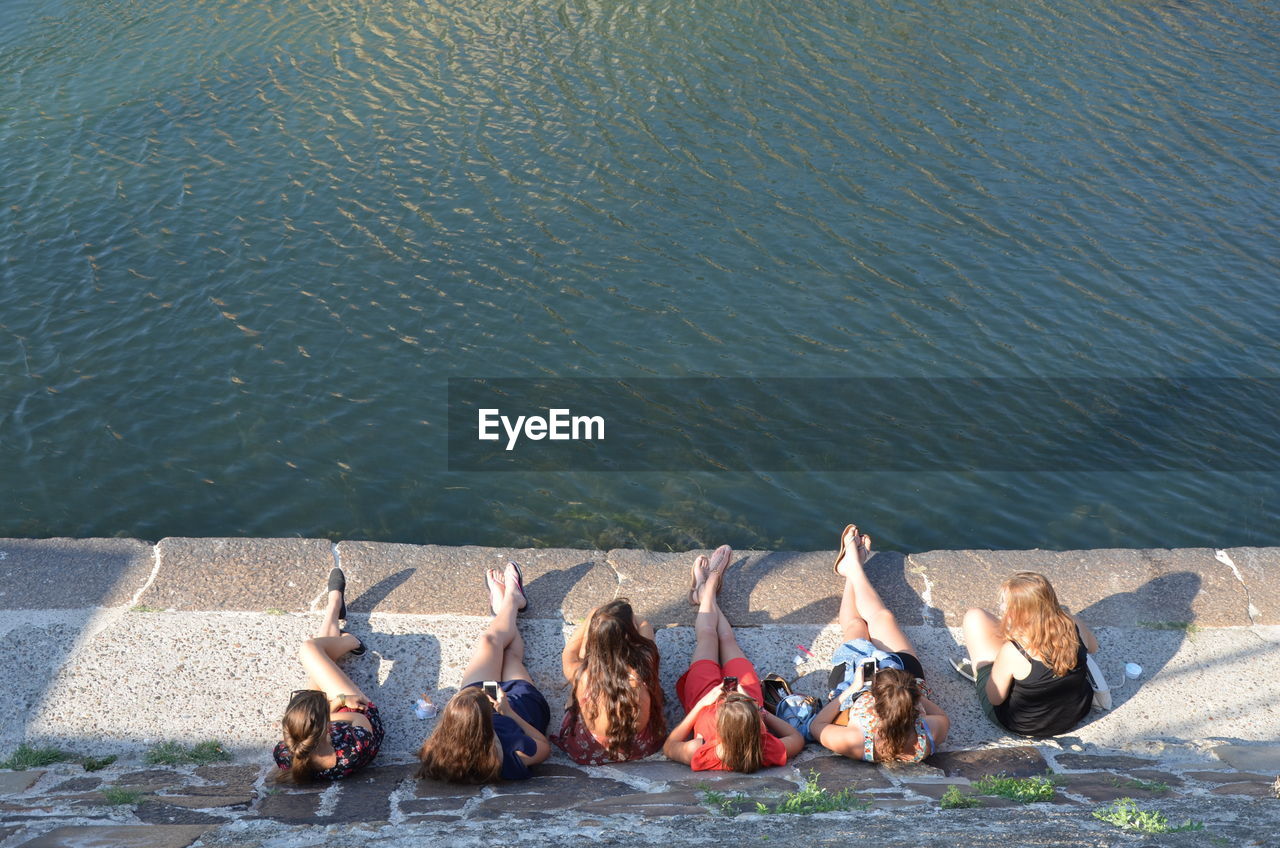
(1132, 671)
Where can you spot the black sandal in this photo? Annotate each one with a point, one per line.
(359, 650)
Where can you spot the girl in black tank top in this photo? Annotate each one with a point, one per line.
(1043, 704)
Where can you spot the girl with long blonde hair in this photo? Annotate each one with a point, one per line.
(1030, 663)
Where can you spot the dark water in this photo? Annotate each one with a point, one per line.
(244, 246)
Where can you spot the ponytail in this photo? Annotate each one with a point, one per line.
(305, 721)
(897, 700)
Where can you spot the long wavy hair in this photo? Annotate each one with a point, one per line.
(616, 657)
(460, 750)
(740, 727)
(897, 702)
(305, 721)
(1031, 615)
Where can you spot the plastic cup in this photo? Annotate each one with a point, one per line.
(1132, 671)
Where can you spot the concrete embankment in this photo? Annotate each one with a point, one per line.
(114, 645)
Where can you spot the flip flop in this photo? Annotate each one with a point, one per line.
(699, 563)
(495, 587)
(721, 558)
(835, 566)
(338, 583)
(964, 668)
(359, 650)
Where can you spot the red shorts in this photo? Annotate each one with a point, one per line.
(705, 675)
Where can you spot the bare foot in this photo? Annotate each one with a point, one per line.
(497, 589)
(515, 583)
(855, 548)
(699, 580)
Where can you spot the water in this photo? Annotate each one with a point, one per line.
(244, 245)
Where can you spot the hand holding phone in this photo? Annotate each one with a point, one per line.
(490, 688)
(729, 684)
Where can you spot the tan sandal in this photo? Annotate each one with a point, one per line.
(835, 566)
(699, 565)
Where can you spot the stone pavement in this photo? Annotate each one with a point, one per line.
(115, 645)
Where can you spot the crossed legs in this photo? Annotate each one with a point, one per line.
(862, 614)
(499, 652)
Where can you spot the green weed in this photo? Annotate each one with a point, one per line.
(954, 799)
(1125, 814)
(727, 805)
(118, 796)
(1024, 790)
(25, 757)
(97, 763)
(145, 608)
(177, 754)
(814, 799)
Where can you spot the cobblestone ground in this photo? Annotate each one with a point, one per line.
(235, 804)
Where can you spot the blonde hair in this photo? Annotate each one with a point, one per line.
(1032, 616)
(739, 726)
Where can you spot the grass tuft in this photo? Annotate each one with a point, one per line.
(118, 796)
(814, 799)
(97, 763)
(954, 799)
(1143, 785)
(1125, 814)
(1024, 790)
(145, 608)
(177, 754)
(25, 757)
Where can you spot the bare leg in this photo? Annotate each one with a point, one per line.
(880, 624)
(706, 624)
(317, 656)
(726, 643)
(487, 660)
(982, 637)
(329, 624)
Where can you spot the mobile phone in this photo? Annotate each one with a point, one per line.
(729, 684)
(490, 688)
(868, 670)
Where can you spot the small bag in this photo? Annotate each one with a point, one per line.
(799, 711)
(775, 689)
(1101, 691)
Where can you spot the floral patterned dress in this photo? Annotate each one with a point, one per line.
(355, 746)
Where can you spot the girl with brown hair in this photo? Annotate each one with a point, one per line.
(725, 727)
(614, 712)
(891, 720)
(484, 736)
(330, 729)
(1030, 664)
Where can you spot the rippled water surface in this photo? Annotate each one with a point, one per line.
(244, 245)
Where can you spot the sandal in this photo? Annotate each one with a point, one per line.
(699, 569)
(338, 583)
(721, 558)
(964, 668)
(835, 566)
(357, 651)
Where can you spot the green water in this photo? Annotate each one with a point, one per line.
(244, 246)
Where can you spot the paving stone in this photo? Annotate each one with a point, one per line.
(1155, 776)
(365, 796)
(239, 574)
(836, 773)
(1024, 761)
(119, 836)
(1084, 762)
(14, 782)
(208, 797)
(291, 808)
(431, 805)
(78, 784)
(157, 812)
(560, 770)
(231, 776)
(675, 797)
(747, 784)
(912, 771)
(1259, 758)
(1108, 587)
(1252, 789)
(72, 573)
(446, 819)
(431, 579)
(1226, 776)
(665, 771)
(896, 803)
(1260, 570)
(150, 777)
(427, 788)
(566, 791)
(519, 804)
(1103, 787)
(8, 830)
(654, 811)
